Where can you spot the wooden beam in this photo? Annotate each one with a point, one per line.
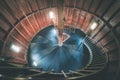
(60, 9)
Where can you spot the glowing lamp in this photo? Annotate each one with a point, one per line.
(51, 14)
(15, 48)
(94, 25)
(34, 63)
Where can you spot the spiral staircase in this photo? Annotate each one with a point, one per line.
(95, 65)
(98, 61)
(98, 51)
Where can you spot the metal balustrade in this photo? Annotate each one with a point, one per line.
(97, 62)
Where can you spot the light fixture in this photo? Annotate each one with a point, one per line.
(54, 31)
(94, 25)
(1, 75)
(34, 63)
(15, 48)
(51, 14)
(29, 77)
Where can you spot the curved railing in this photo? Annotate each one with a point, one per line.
(98, 61)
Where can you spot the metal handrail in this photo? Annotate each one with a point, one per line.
(84, 69)
(91, 52)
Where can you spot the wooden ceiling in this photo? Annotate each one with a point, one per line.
(20, 20)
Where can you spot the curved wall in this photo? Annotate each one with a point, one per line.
(21, 19)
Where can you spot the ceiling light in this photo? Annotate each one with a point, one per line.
(94, 25)
(15, 48)
(34, 63)
(1, 75)
(51, 14)
(29, 77)
(54, 31)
